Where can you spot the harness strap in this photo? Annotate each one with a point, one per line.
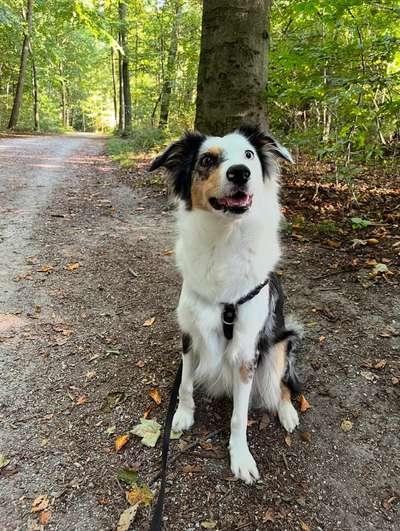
(156, 522)
(229, 312)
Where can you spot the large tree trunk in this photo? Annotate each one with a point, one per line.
(22, 69)
(35, 93)
(123, 11)
(233, 65)
(170, 70)
(114, 85)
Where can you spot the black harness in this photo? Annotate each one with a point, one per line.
(229, 316)
(229, 312)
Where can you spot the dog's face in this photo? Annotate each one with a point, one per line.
(221, 174)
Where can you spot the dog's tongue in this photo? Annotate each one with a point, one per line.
(242, 201)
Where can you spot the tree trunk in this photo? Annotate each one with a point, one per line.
(121, 120)
(170, 71)
(123, 11)
(233, 65)
(35, 93)
(22, 69)
(114, 86)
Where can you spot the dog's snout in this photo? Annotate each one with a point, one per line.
(238, 174)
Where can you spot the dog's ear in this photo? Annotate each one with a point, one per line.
(264, 143)
(179, 159)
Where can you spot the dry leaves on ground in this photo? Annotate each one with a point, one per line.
(73, 267)
(346, 425)
(40, 504)
(303, 404)
(3, 461)
(127, 517)
(148, 430)
(155, 395)
(120, 442)
(149, 322)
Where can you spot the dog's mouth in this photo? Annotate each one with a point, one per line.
(236, 203)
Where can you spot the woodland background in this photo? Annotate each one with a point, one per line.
(333, 85)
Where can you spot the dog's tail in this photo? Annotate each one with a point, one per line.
(276, 365)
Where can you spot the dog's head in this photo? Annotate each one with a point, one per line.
(221, 174)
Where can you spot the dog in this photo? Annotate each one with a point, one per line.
(234, 338)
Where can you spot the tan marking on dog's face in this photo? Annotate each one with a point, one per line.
(246, 371)
(203, 189)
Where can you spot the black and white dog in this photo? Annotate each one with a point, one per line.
(230, 310)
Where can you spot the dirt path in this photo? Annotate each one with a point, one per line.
(83, 264)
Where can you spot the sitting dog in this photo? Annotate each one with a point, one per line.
(230, 309)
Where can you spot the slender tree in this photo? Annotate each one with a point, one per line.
(233, 64)
(22, 69)
(114, 86)
(35, 92)
(123, 13)
(169, 72)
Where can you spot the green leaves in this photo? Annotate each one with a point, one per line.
(149, 431)
(360, 223)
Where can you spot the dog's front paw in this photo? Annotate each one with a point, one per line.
(243, 465)
(183, 419)
(288, 416)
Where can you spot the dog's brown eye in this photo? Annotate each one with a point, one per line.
(206, 161)
(249, 154)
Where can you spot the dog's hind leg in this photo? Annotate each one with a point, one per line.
(287, 414)
(184, 415)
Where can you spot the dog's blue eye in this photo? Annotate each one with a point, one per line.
(249, 154)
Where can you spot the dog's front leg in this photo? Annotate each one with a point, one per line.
(184, 415)
(242, 462)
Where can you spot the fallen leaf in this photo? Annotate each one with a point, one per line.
(269, 515)
(90, 375)
(3, 461)
(322, 339)
(288, 440)
(356, 242)
(111, 430)
(305, 436)
(189, 469)
(73, 267)
(379, 269)
(149, 431)
(371, 262)
(388, 503)
(40, 504)
(148, 410)
(370, 376)
(380, 364)
(81, 400)
(139, 364)
(333, 244)
(372, 241)
(120, 442)
(128, 476)
(103, 501)
(303, 404)
(127, 517)
(141, 494)
(149, 322)
(346, 425)
(395, 381)
(207, 446)
(155, 395)
(114, 398)
(209, 524)
(46, 269)
(168, 252)
(304, 526)
(251, 422)
(175, 434)
(44, 517)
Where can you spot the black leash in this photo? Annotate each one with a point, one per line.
(156, 521)
(229, 312)
(229, 316)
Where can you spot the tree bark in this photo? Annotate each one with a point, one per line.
(170, 70)
(35, 93)
(22, 69)
(114, 85)
(233, 65)
(123, 12)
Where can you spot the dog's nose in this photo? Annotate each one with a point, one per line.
(238, 174)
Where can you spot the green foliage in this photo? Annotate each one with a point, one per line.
(360, 223)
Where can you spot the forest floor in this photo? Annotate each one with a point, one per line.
(88, 291)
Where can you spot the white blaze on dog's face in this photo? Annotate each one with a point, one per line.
(221, 174)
